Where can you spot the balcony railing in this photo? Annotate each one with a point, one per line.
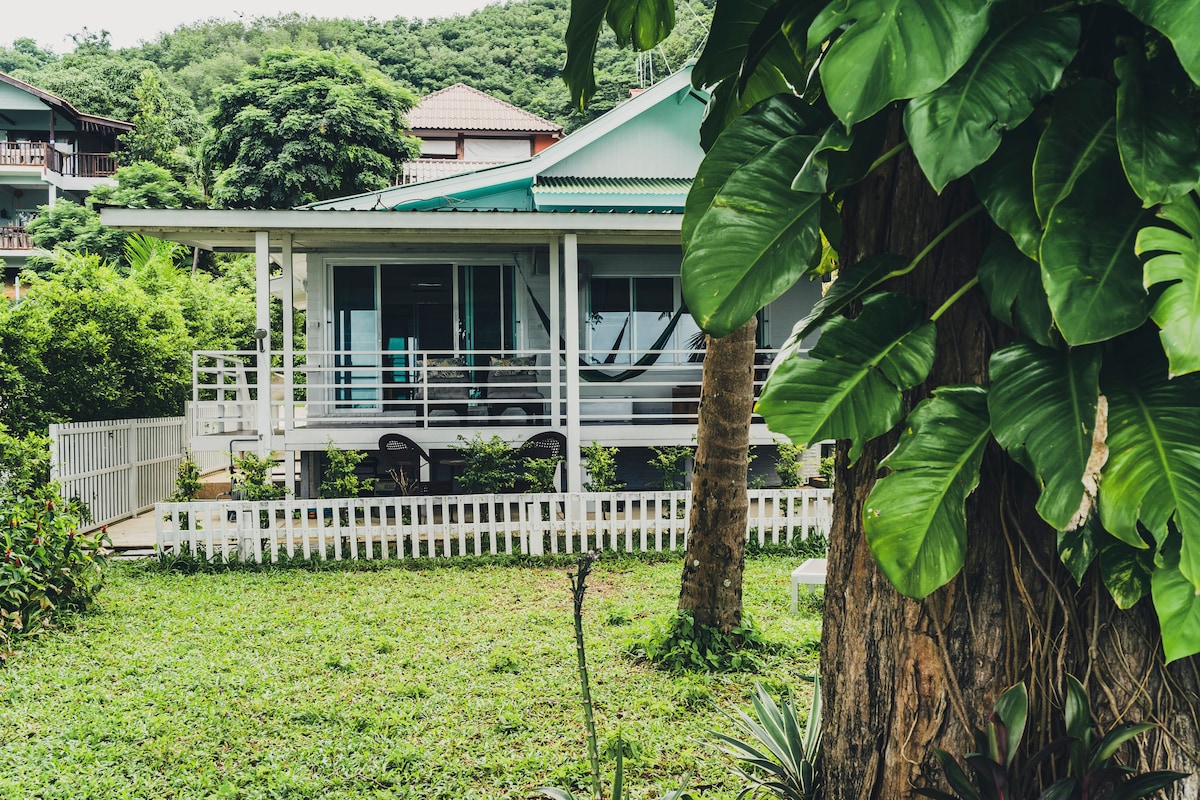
(420, 389)
(42, 154)
(14, 237)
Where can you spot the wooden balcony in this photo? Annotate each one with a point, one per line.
(41, 154)
(14, 237)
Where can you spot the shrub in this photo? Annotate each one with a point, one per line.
(601, 465)
(341, 478)
(491, 464)
(789, 464)
(669, 463)
(47, 567)
(539, 474)
(676, 643)
(24, 462)
(254, 477)
(778, 756)
(187, 480)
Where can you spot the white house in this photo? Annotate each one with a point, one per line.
(538, 294)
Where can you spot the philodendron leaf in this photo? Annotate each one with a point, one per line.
(915, 518)
(583, 30)
(733, 24)
(1175, 19)
(1156, 136)
(1077, 548)
(1004, 184)
(852, 283)
(892, 49)
(754, 241)
(1013, 285)
(958, 125)
(1125, 571)
(1013, 710)
(642, 23)
(747, 138)
(1082, 129)
(842, 158)
(1090, 268)
(1175, 263)
(1178, 607)
(1153, 471)
(850, 386)
(1045, 401)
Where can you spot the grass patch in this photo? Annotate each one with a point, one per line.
(383, 683)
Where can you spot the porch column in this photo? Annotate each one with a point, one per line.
(289, 356)
(571, 314)
(262, 323)
(556, 353)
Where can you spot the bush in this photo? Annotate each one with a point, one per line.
(254, 478)
(47, 568)
(341, 478)
(676, 643)
(491, 464)
(789, 464)
(24, 462)
(601, 465)
(187, 480)
(669, 462)
(539, 474)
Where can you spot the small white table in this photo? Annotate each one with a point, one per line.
(810, 573)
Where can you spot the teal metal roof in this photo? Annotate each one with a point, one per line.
(548, 185)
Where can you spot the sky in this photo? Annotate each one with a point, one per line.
(131, 21)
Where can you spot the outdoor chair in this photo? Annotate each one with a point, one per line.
(513, 383)
(447, 386)
(548, 444)
(400, 458)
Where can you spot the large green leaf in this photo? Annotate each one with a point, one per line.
(850, 386)
(1155, 134)
(1044, 401)
(747, 138)
(734, 22)
(642, 23)
(1174, 264)
(893, 49)
(1004, 184)
(1175, 19)
(754, 241)
(727, 103)
(842, 158)
(1153, 471)
(1077, 548)
(1178, 606)
(852, 283)
(1090, 268)
(958, 125)
(1082, 129)
(1013, 285)
(915, 518)
(1125, 571)
(583, 30)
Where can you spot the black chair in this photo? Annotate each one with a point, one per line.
(548, 444)
(400, 458)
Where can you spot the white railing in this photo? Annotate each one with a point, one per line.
(121, 467)
(422, 389)
(467, 525)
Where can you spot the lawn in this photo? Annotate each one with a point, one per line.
(389, 683)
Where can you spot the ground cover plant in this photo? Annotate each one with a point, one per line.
(384, 682)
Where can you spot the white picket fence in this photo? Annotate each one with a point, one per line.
(122, 467)
(467, 525)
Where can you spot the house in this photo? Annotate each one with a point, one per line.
(538, 294)
(463, 129)
(48, 150)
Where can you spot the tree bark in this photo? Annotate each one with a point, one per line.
(902, 676)
(711, 587)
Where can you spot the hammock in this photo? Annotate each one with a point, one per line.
(592, 375)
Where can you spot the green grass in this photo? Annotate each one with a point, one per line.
(390, 683)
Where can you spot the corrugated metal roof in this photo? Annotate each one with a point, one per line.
(463, 108)
(617, 186)
(428, 169)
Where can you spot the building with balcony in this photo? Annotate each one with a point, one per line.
(538, 294)
(48, 150)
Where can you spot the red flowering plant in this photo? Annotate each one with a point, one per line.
(46, 567)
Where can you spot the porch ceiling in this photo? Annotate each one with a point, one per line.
(323, 230)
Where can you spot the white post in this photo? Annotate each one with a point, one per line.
(556, 372)
(55, 453)
(289, 356)
(132, 454)
(571, 314)
(262, 320)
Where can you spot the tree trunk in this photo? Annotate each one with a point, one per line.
(902, 676)
(712, 572)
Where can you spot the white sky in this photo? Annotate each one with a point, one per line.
(131, 21)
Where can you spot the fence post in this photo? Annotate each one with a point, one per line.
(55, 453)
(132, 455)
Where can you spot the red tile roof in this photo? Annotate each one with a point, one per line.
(462, 108)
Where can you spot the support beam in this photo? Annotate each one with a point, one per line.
(262, 322)
(571, 314)
(556, 354)
(289, 354)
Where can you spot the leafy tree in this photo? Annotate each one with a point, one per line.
(153, 137)
(24, 54)
(72, 228)
(302, 127)
(1014, 339)
(144, 184)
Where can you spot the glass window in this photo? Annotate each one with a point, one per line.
(627, 317)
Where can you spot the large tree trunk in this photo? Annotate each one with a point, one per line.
(712, 572)
(902, 676)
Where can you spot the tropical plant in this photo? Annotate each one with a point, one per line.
(601, 465)
(578, 579)
(777, 756)
(1090, 764)
(788, 464)
(669, 461)
(341, 476)
(540, 473)
(490, 465)
(24, 463)
(252, 474)
(990, 175)
(676, 642)
(187, 480)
